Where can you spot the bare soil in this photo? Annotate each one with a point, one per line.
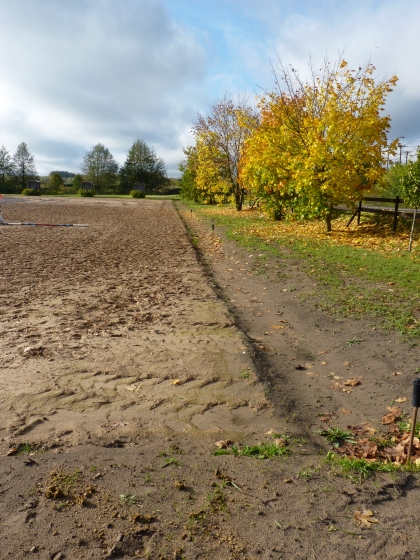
(126, 353)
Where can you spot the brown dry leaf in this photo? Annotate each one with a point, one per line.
(270, 432)
(347, 364)
(280, 442)
(324, 363)
(365, 518)
(327, 417)
(277, 327)
(397, 373)
(222, 444)
(322, 352)
(176, 382)
(347, 390)
(311, 374)
(352, 382)
(401, 399)
(286, 480)
(345, 411)
(393, 414)
(13, 450)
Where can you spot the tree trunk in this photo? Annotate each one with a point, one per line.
(328, 217)
(238, 201)
(412, 230)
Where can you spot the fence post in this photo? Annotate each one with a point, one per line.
(359, 212)
(394, 225)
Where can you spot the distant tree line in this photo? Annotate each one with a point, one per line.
(16, 170)
(142, 165)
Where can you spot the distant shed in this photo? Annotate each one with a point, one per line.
(139, 187)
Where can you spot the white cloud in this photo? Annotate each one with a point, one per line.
(95, 71)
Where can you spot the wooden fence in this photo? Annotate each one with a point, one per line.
(377, 210)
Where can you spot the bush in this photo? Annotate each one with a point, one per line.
(82, 192)
(138, 194)
(31, 192)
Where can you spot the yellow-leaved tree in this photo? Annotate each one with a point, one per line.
(321, 142)
(220, 138)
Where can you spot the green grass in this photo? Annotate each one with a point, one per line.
(338, 437)
(350, 281)
(261, 451)
(363, 469)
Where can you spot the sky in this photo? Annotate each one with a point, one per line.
(73, 74)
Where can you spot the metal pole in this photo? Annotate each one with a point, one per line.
(415, 402)
(413, 429)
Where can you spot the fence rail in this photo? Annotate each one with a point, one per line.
(376, 210)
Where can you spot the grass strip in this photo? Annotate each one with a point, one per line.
(367, 273)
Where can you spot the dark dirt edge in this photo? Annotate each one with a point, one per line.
(260, 360)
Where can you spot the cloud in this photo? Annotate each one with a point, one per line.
(95, 71)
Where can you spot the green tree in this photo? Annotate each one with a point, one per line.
(6, 167)
(55, 183)
(410, 189)
(142, 165)
(23, 166)
(101, 169)
(77, 182)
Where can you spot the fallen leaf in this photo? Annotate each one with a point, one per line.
(13, 450)
(311, 374)
(327, 417)
(393, 414)
(345, 411)
(322, 352)
(286, 480)
(176, 382)
(277, 327)
(401, 399)
(280, 442)
(364, 518)
(352, 382)
(397, 373)
(323, 363)
(347, 364)
(222, 444)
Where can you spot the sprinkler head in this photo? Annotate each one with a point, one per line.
(416, 393)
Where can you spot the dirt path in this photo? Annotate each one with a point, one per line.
(121, 365)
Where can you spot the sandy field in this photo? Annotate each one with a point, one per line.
(130, 347)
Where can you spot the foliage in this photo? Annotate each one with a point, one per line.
(389, 185)
(410, 183)
(142, 165)
(86, 193)
(23, 166)
(6, 167)
(100, 168)
(63, 174)
(321, 142)
(137, 194)
(55, 184)
(77, 182)
(220, 139)
(410, 187)
(187, 183)
(30, 192)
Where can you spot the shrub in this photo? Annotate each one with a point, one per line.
(30, 192)
(138, 194)
(83, 192)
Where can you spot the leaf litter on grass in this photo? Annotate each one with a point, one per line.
(360, 446)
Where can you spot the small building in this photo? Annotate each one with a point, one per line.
(139, 187)
(35, 185)
(87, 186)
